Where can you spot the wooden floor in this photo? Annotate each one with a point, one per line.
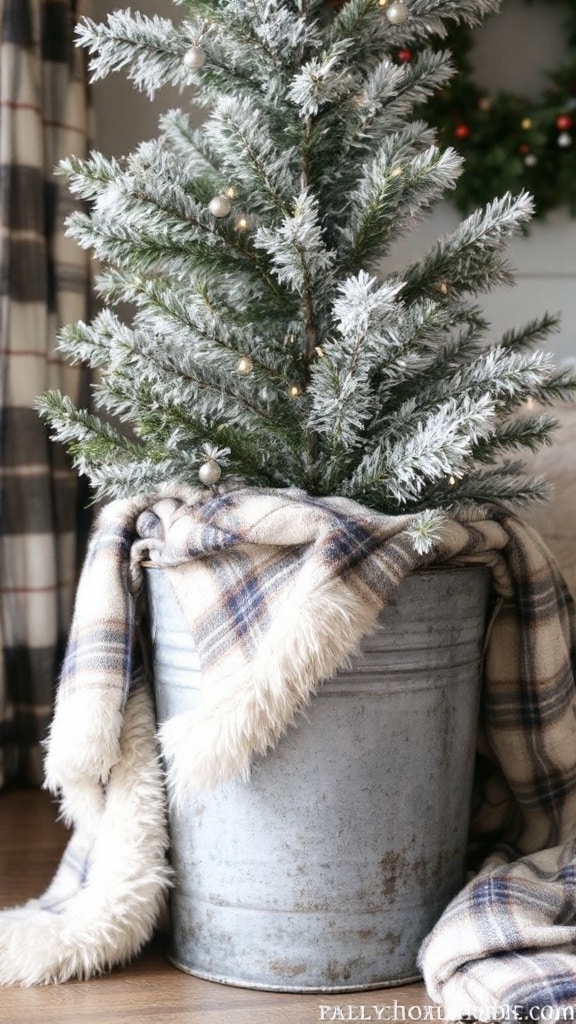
(152, 989)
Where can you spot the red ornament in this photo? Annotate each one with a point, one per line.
(524, 148)
(564, 122)
(462, 131)
(405, 55)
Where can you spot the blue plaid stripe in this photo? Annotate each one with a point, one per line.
(551, 986)
(244, 611)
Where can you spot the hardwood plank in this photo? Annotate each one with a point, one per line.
(31, 845)
(151, 988)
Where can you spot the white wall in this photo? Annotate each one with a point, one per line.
(513, 50)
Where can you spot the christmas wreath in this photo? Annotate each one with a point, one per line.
(508, 141)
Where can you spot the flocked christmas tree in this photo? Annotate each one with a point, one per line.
(267, 348)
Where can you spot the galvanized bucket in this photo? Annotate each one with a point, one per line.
(325, 872)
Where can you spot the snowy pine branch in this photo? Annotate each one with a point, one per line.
(237, 131)
(390, 189)
(530, 334)
(471, 258)
(296, 247)
(506, 484)
(341, 387)
(523, 431)
(380, 106)
(322, 81)
(439, 447)
(149, 50)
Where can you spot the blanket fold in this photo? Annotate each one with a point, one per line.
(278, 589)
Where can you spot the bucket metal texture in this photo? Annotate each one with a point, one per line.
(327, 869)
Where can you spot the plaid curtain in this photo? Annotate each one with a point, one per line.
(44, 282)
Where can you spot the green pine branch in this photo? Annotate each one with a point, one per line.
(471, 259)
(390, 189)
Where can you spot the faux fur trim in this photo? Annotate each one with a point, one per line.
(84, 739)
(312, 635)
(106, 922)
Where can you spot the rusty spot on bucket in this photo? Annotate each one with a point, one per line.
(286, 970)
(339, 972)
(392, 866)
(391, 941)
(420, 871)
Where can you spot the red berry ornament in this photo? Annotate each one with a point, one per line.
(564, 122)
(405, 55)
(462, 131)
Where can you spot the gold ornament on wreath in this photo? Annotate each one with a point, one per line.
(509, 142)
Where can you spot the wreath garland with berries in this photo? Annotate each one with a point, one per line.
(509, 142)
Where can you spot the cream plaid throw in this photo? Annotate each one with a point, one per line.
(278, 589)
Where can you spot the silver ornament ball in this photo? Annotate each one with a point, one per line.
(397, 13)
(209, 473)
(220, 206)
(194, 58)
(244, 365)
(564, 140)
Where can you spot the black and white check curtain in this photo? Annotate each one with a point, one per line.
(44, 283)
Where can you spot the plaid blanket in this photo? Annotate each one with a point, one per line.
(278, 588)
